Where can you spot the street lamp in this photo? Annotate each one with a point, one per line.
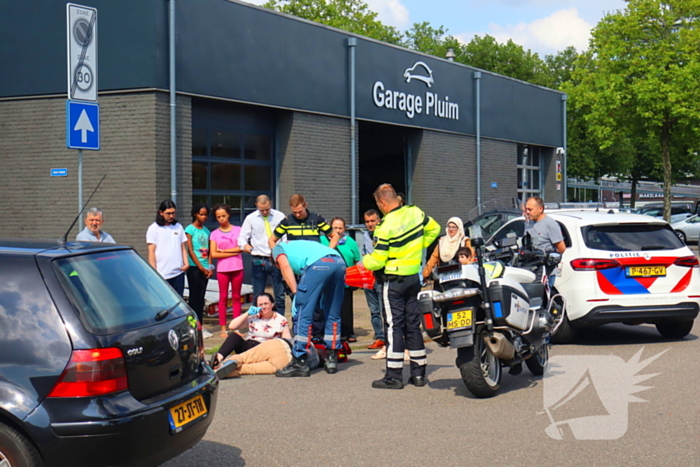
(450, 55)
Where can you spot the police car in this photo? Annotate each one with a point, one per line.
(622, 268)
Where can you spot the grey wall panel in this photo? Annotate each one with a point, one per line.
(516, 111)
(238, 52)
(132, 45)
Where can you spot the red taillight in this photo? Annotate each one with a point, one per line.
(94, 372)
(594, 264)
(687, 261)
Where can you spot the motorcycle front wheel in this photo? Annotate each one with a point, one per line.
(538, 362)
(479, 368)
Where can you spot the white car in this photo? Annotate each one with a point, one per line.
(688, 230)
(622, 268)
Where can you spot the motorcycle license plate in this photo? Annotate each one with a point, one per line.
(459, 319)
(184, 413)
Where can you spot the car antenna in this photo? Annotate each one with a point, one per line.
(64, 239)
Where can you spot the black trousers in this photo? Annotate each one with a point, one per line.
(400, 298)
(347, 323)
(197, 283)
(235, 343)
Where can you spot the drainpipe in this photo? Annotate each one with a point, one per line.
(173, 105)
(563, 162)
(352, 43)
(477, 111)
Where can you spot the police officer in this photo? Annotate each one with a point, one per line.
(398, 249)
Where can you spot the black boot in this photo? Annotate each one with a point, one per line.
(331, 363)
(297, 367)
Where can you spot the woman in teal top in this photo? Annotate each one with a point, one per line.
(199, 272)
(348, 249)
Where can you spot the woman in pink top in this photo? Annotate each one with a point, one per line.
(223, 246)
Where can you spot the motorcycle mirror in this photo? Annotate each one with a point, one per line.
(553, 259)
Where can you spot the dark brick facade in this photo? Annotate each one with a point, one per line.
(134, 154)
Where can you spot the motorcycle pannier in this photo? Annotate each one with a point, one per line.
(430, 316)
(510, 304)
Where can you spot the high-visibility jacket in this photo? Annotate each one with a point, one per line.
(399, 241)
(311, 228)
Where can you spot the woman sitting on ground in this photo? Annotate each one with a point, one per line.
(263, 323)
(264, 359)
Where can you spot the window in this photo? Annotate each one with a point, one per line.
(529, 174)
(231, 167)
(630, 237)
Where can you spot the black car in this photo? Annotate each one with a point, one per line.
(101, 362)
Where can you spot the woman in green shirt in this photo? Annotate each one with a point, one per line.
(348, 249)
(199, 272)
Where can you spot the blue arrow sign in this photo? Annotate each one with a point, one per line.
(83, 125)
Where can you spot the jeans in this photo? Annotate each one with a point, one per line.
(322, 282)
(374, 302)
(262, 268)
(177, 283)
(197, 282)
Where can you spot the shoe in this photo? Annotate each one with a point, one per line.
(377, 344)
(214, 360)
(297, 367)
(331, 364)
(417, 381)
(206, 334)
(352, 339)
(380, 355)
(226, 368)
(387, 383)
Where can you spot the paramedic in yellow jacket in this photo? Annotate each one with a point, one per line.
(398, 250)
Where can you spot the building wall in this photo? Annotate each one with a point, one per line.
(443, 182)
(498, 165)
(549, 172)
(313, 154)
(134, 154)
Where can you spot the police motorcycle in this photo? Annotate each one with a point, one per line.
(493, 314)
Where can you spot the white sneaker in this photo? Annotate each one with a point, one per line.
(206, 334)
(380, 355)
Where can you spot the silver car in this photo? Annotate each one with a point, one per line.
(688, 230)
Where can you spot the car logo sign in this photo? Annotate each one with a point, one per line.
(173, 339)
(647, 256)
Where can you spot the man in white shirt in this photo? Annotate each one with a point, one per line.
(166, 246)
(256, 230)
(93, 228)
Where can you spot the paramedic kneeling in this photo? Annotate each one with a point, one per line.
(322, 282)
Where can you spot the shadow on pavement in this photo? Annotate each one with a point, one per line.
(622, 334)
(210, 454)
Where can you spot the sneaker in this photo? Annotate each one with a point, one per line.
(297, 367)
(331, 363)
(380, 355)
(226, 368)
(206, 334)
(387, 383)
(377, 344)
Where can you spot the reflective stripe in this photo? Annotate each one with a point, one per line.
(417, 353)
(420, 361)
(390, 363)
(394, 355)
(394, 364)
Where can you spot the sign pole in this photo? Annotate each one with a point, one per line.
(80, 179)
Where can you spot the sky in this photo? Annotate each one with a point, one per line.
(543, 26)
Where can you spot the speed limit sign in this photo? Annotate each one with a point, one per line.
(82, 52)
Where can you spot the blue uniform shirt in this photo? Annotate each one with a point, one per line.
(302, 253)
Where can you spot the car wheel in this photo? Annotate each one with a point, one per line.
(681, 235)
(675, 330)
(565, 333)
(16, 450)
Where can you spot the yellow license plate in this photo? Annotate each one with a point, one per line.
(646, 271)
(459, 319)
(187, 411)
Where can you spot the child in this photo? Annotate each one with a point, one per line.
(464, 255)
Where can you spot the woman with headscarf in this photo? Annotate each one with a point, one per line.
(446, 250)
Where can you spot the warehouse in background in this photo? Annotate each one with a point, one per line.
(265, 104)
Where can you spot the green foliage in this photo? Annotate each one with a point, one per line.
(350, 15)
(637, 89)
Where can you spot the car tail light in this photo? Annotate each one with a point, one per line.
(687, 261)
(94, 372)
(594, 264)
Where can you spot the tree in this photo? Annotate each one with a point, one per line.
(350, 15)
(641, 86)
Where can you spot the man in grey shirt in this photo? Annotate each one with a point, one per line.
(93, 228)
(545, 232)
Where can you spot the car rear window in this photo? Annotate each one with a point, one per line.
(630, 237)
(116, 291)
